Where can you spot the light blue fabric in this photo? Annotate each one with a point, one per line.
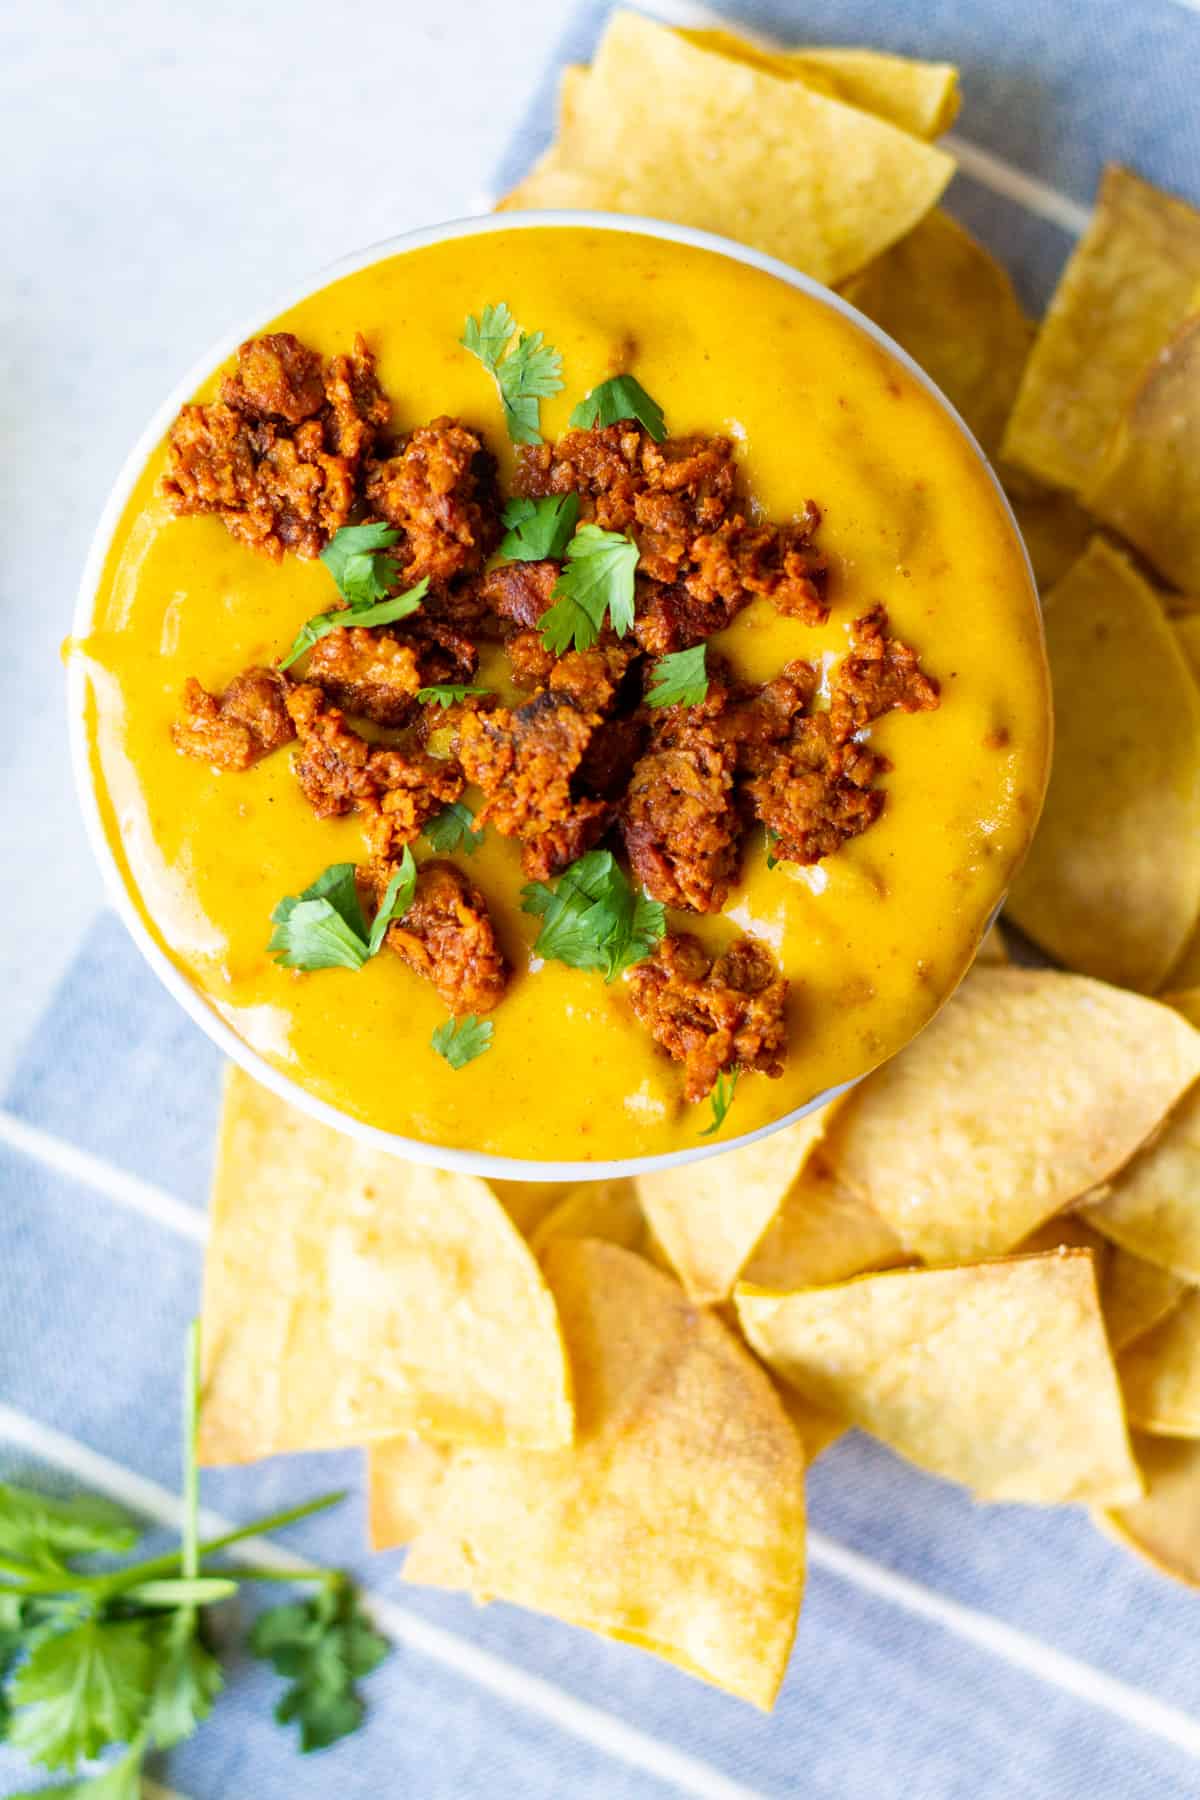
(879, 1702)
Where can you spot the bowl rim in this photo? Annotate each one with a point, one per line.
(118, 890)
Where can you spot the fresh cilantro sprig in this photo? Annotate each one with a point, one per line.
(383, 612)
(325, 928)
(539, 529)
(119, 1657)
(680, 679)
(597, 580)
(453, 829)
(447, 693)
(357, 558)
(593, 918)
(525, 372)
(460, 1041)
(772, 840)
(621, 397)
(721, 1099)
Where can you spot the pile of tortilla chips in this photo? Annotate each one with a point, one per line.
(601, 1401)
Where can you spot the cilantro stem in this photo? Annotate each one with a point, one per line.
(189, 1560)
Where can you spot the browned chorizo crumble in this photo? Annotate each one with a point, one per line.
(296, 447)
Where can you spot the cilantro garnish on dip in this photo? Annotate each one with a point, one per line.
(525, 372)
(596, 585)
(621, 397)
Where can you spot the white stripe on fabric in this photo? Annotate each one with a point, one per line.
(981, 165)
(1018, 1648)
(609, 1735)
(90, 1171)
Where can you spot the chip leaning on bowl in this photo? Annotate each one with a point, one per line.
(670, 700)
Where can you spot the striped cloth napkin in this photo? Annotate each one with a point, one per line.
(946, 1651)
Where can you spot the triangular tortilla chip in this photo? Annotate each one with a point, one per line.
(404, 1482)
(1164, 1527)
(675, 1520)
(609, 1210)
(1152, 1206)
(822, 185)
(349, 1295)
(1129, 284)
(997, 1375)
(824, 1231)
(1100, 890)
(953, 308)
(708, 1216)
(528, 1202)
(1054, 526)
(1148, 488)
(1028, 1089)
(1135, 1296)
(1160, 1374)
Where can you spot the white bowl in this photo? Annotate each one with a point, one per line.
(470, 1162)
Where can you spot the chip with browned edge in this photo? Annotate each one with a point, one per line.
(675, 1520)
(1111, 885)
(997, 1375)
(350, 1296)
(1029, 1088)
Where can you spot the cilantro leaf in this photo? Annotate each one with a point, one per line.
(772, 840)
(45, 1531)
(187, 1680)
(452, 830)
(597, 579)
(680, 679)
(386, 612)
(526, 372)
(355, 557)
(121, 1780)
(460, 1041)
(594, 919)
(621, 397)
(81, 1690)
(721, 1099)
(323, 1646)
(322, 928)
(538, 529)
(397, 898)
(447, 693)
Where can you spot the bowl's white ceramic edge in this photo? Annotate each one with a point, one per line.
(467, 1162)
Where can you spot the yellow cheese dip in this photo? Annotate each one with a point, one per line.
(873, 939)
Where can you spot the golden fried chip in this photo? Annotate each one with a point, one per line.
(918, 97)
(997, 1374)
(953, 308)
(675, 1520)
(823, 1232)
(404, 1481)
(1111, 885)
(350, 1296)
(1135, 1296)
(1152, 1206)
(1028, 1089)
(1128, 286)
(1160, 1373)
(708, 1216)
(595, 1209)
(528, 1202)
(1164, 1527)
(992, 947)
(1055, 527)
(1187, 630)
(1148, 488)
(823, 185)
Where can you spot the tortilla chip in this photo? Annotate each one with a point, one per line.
(595, 1209)
(1160, 1374)
(528, 1202)
(350, 1296)
(1135, 1296)
(918, 97)
(1186, 1001)
(404, 1482)
(953, 308)
(1055, 527)
(675, 1520)
(1128, 286)
(708, 1216)
(997, 1375)
(1152, 1206)
(1149, 486)
(823, 1232)
(822, 185)
(1164, 1527)
(1028, 1089)
(992, 947)
(1187, 632)
(1111, 885)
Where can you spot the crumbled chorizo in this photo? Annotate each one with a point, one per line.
(680, 819)
(712, 1016)
(739, 561)
(519, 592)
(879, 674)
(523, 760)
(437, 490)
(448, 937)
(378, 674)
(813, 793)
(235, 729)
(529, 659)
(277, 461)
